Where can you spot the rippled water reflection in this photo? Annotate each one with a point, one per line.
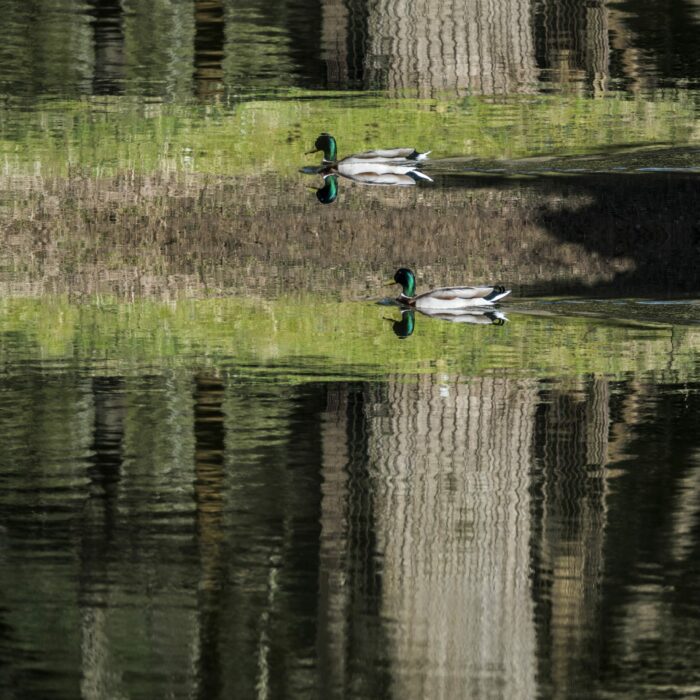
(214, 48)
(199, 504)
(226, 470)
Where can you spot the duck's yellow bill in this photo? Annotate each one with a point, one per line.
(388, 283)
(308, 153)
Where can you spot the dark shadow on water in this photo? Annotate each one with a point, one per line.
(592, 234)
(651, 220)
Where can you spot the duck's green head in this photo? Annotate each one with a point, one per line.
(404, 327)
(329, 191)
(407, 280)
(326, 143)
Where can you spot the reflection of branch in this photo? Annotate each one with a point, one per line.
(623, 42)
(683, 537)
(334, 41)
(262, 684)
(621, 431)
(209, 473)
(208, 490)
(209, 43)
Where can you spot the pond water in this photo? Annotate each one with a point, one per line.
(230, 466)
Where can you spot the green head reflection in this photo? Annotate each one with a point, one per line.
(328, 193)
(404, 327)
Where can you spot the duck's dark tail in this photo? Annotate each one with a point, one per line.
(419, 176)
(496, 318)
(498, 293)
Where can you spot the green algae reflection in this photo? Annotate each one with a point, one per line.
(104, 136)
(306, 338)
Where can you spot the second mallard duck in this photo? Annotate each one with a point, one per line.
(444, 298)
(326, 143)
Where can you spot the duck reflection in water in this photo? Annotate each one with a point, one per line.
(391, 175)
(328, 192)
(405, 326)
(455, 304)
(398, 167)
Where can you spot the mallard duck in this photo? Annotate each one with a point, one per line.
(444, 298)
(377, 174)
(477, 315)
(326, 143)
(403, 328)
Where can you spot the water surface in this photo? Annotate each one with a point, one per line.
(230, 467)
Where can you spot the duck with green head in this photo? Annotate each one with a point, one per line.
(396, 166)
(326, 143)
(445, 298)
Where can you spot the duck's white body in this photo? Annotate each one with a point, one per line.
(396, 156)
(447, 299)
(388, 155)
(455, 298)
(378, 173)
(479, 316)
